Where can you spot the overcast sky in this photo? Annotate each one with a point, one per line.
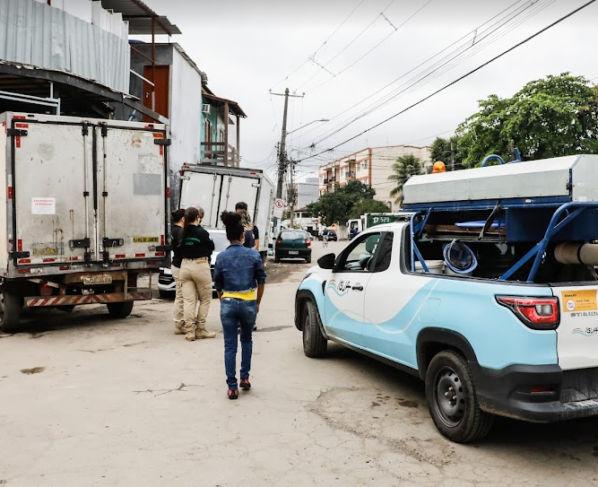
(250, 47)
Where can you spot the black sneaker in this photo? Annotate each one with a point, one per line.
(245, 384)
(233, 394)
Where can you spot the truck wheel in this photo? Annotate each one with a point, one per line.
(452, 400)
(314, 343)
(119, 311)
(10, 312)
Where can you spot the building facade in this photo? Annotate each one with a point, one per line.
(372, 167)
(302, 193)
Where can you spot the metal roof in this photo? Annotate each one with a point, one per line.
(140, 17)
(220, 102)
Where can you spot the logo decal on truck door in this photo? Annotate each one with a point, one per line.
(584, 300)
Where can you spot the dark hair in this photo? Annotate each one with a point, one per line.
(177, 215)
(232, 222)
(241, 205)
(191, 214)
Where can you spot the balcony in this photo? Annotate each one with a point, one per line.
(216, 153)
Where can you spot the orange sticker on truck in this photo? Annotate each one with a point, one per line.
(584, 300)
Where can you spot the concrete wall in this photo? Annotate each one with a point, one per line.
(382, 160)
(307, 192)
(185, 102)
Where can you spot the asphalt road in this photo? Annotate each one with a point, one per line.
(85, 401)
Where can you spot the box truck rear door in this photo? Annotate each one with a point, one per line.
(131, 192)
(52, 182)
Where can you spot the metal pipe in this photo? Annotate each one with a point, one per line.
(492, 157)
(576, 254)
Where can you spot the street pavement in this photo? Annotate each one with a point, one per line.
(85, 401)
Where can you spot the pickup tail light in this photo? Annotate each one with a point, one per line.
(536, 313)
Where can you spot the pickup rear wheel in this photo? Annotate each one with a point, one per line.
(314, 343)
(121, 310)
(10, 312)
(452, 400)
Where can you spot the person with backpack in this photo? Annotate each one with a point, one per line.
(252, 233)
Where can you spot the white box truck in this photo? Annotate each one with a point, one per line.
(84, 212)
(218, 188)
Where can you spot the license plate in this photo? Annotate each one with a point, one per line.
(92, 279)
(293, 252)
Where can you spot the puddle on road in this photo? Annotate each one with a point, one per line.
(34, 370)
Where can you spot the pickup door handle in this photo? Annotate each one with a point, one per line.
(357, 288)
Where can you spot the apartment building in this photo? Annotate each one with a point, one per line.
(371, 166)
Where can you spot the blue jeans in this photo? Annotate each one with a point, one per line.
(235, 313)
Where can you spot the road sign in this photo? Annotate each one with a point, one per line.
(279, 206)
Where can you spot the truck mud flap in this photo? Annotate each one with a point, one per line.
(39, 301)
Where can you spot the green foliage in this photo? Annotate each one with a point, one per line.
(337, 206)
(551, 117)
(441, 151)
(404, 168)
(364, 206)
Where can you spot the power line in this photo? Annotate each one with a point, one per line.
(423, 64)
(454, 82)
(429, 74)
(376, 46)
(323, 44)
(323, 67)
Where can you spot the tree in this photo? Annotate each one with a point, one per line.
(551, 117)
(364, 206)
(441, 151)
(337, 207)
(404, 168)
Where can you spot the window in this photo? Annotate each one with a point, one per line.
(384, 253)
(358, 255)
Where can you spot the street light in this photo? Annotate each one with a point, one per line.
(321, 120)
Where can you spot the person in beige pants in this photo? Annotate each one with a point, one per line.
(196, 280)
(178, 217)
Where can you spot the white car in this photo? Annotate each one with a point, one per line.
(166, 284)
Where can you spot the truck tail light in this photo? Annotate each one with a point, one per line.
(536, 313)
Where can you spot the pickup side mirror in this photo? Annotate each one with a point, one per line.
(327, 261)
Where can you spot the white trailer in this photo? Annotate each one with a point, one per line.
(217, 188)
(84, 213)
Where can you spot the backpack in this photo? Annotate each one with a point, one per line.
(249, 239)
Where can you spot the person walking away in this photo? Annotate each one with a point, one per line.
(197, 247)
(240, 281)
(252, 233)
(178, 217)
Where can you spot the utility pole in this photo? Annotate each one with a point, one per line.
(282, 156)
(452, 155)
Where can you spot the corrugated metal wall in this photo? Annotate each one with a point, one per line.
(49, 38)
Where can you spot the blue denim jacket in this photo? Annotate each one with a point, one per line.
(238, 269)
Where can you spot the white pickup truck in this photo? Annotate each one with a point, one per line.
(514, 334)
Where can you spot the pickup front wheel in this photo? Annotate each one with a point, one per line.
(314, 343)
(452, 400)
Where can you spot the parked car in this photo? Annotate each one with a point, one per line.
(292, 244)
(166, 284)
(331, 234)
